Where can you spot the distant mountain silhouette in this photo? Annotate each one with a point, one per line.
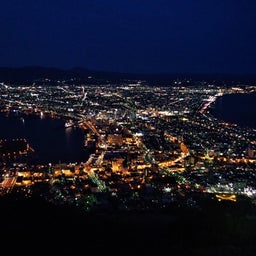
(49, 75)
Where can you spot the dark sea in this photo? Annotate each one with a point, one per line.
(52, 142)
(239, 109)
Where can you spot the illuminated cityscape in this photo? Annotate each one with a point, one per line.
(149, 147)
(128, 127)
(157, 166)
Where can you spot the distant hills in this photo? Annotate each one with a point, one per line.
(49, 75)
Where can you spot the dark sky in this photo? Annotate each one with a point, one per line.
(197, 36)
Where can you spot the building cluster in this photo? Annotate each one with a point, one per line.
(149, 147)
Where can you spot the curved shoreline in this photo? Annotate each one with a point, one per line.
(49, 147)
(217, 112)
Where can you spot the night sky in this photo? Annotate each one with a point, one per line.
(139, 36)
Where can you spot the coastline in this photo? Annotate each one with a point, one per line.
(51, 141)
(233, 109)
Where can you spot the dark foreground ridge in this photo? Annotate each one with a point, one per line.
(214, 230)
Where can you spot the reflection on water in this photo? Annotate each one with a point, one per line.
(51, 140)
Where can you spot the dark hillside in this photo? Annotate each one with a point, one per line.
(29, 75)
(216, 230)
